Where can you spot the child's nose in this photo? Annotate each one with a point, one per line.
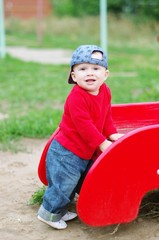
(89, 72)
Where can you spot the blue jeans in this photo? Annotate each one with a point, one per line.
(64, 170)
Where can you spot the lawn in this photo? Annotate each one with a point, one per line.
(32, 94)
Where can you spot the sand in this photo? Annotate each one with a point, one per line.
(18, 220)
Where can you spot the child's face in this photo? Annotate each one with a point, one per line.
(89, 76)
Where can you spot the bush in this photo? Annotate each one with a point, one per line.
(76, 7)
(91, 7)
(63, 7)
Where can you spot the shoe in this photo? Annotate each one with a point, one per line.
(69, 216)
(58, 225)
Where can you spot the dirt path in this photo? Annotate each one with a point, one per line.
(18, 178)
(45, 56)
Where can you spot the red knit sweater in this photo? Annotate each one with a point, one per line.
(86, 121)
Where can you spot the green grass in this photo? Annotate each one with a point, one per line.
(60, 32)
(37, 196)
(69, 32)
(32, 94)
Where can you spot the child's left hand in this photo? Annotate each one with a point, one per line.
(115, 136)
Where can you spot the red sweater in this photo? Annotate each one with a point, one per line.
(86, 121)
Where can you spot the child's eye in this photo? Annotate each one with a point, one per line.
(96, 68)
(82, 69)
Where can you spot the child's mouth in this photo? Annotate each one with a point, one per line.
(90, 80)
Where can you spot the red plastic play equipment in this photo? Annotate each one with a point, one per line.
(120, 177)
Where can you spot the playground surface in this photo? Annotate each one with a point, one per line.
(19, 180)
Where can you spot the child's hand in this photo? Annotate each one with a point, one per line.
(104, 145)
(115, 136)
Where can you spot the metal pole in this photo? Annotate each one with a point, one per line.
(40, 21)
(2, 32)
(103, 24)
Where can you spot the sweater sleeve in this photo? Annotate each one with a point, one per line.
(109, 127)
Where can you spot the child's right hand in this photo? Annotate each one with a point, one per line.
(104, 145)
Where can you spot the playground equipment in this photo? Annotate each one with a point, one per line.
(121, 176)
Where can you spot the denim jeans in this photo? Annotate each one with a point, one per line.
(64, 170)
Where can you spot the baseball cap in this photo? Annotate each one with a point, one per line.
(83, 54)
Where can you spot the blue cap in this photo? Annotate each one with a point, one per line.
(83, 54)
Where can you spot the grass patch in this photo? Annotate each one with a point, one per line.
(62, 32)
(30, 124)
(69, 32)
(32, 96)
(37, 196)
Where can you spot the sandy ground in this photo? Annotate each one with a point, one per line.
(19, 180)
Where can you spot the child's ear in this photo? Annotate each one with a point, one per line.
(107, 73)
(73, 76)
